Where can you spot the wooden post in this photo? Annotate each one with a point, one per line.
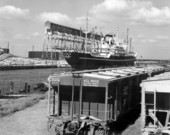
(143, 112)
(106, 101)
(115, 103)
(82, 104)
(53, 101)
(97, 109)
(68, 107)
(72, 99)
(11, 87)
(26, 86)
(154, 107)
(59, 102)
(28, 90)
(49, 90)
(89, 109)
(80, 99)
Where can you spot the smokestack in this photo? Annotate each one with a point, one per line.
(8, 45)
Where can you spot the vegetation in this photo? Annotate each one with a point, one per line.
(9, 106)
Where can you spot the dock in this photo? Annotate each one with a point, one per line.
(90, 99)
(16, 63)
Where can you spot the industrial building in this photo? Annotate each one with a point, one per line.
(46, 55)
(4, 50)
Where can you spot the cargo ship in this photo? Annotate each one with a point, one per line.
(89, 50)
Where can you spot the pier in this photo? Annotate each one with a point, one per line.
(89, 100)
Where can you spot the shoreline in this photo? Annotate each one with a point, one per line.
(18, 67)
(12, 105)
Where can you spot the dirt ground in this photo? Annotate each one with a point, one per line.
(33, 121)
(30, 121)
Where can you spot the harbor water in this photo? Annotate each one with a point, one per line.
(17, 79)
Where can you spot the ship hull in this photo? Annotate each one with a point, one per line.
(79, 60)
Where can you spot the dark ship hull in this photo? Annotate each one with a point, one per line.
(89, 50)
(79, 60)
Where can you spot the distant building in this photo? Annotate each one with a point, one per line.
(4, 50)
(1, 51)
(45, 55)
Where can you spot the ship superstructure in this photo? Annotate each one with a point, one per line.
(87, 50)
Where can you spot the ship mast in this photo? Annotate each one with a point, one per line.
(117, 32)
(130, 45)
(87, 23)
(127, 39)
(86, 33)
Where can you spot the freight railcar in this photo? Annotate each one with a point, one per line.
(88, 102)
(155, 111)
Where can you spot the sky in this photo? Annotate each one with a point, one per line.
(22, 22)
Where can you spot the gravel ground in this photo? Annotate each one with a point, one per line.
(30, 121)
(33, 121)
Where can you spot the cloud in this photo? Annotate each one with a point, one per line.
(36, 34)
(10, 12)
(152, 40)
(134, 11)
(161, 37)
(149, 40)
(63, 19)
(110, 5)
(117, 8)
(21, 36)
(55, 17)
(153, 15)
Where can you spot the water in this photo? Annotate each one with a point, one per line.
(20, 77)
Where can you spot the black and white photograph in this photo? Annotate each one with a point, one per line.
(84, 67)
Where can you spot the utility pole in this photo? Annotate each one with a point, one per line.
(8, 45)
(127, 40)
(130, 49)
(117, 32)
(33, 48)
(87, 22)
